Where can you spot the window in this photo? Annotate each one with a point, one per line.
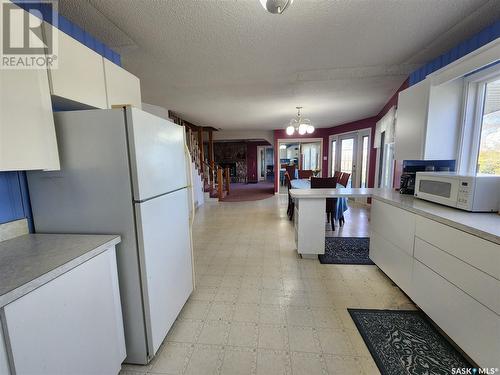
(480, 143)
(488, 160)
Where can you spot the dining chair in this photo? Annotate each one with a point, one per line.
(291, 171)
(305, 173)
(291, 204)
(344, 179)
(331, 203)
(337, 175)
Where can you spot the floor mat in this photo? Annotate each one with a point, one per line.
(405, 342)
(346, 250)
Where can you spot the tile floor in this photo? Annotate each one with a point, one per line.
(260, 309)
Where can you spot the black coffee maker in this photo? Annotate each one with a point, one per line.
(411, 167)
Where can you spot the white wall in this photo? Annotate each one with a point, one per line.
(155, 110)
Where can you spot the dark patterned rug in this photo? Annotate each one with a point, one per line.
(346, 250)
(405, 342)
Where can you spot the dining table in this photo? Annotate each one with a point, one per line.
(341, 202)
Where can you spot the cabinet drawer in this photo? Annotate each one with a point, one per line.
(473, 327)
(473, 250)
(474, 282)
(395, 263)
(395, 224)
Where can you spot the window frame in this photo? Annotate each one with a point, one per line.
(472, 117)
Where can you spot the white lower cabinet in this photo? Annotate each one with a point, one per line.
(310, 227)
(451, 275)
(394, 224)
(472, 326)
(395, 263)
(4, 361)
(71, 325)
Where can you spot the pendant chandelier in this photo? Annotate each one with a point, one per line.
(275, 6)
(300, 125)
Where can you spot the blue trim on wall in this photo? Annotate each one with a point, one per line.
(11, 200)
(72, 30)
(485, 36)
(14, 198)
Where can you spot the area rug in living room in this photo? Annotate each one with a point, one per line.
(346, 250)
(404, 342)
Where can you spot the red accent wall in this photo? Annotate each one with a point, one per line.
(325, 133)
(252, 159)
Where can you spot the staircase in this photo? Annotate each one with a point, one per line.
(215, 180)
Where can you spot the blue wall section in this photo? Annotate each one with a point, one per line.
(71, 29)
(487, 35)
(14, 199)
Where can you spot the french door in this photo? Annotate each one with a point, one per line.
(349, 153)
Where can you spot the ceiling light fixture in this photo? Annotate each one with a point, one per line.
(300, 125)
(275, 6)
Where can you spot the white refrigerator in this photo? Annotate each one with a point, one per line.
(123, 171)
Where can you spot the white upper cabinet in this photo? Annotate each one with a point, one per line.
(122, 87)
(27, 133)
(78, 80)
(411, 122)
(428, 121)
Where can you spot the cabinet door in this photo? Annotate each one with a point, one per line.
(411, 122)
(4, 362)
(27, 133)
(394, 224)
(72, 324)
(122, 87)
(79, 76)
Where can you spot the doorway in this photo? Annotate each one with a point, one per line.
(265, 162)
(350, 153)
(304, 154)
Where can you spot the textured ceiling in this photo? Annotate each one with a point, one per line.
(229, 64)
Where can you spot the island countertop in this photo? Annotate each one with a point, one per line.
(31, 260)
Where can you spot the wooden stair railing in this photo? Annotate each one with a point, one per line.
(219, 180)
(216, 180)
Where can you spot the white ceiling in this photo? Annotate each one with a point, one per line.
(230, 65)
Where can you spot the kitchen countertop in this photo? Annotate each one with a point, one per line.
(31, 260)
(484, 225)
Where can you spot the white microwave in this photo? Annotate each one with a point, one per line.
(479, 193)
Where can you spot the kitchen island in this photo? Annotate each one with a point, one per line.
(60, 305)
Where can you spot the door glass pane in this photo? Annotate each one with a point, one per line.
(489, 148)
(347, 157)
(333, 154)
(262, 163)
(364, 162)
